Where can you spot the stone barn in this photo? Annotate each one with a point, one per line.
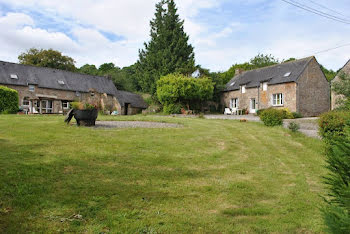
(44, 90)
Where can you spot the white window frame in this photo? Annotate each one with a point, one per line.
(31, 88)
(234, 103)
(47, 109)
(243, 89)
(264, 86)
(25, 100)
(277, 99)
(65, 105)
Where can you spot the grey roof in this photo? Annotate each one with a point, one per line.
(272, 75)
(48, 78)
(133, 99)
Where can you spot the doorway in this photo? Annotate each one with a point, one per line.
(252, 106)
(126, 108)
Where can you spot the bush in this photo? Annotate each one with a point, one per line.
(337, 211)
(297, 115)
(294, 127)
(8, 100)
(286, 113)
(82, 106)
(260, 111)
(272, 117)
(332, 124)
(172, 108)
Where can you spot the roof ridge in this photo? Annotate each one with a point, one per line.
(50, 68)
(293, 61)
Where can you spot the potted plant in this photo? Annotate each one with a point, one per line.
(84, 113)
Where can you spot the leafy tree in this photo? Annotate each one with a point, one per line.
(168, 51)
(107, 67)
(89, 70)
(342, 87)
(262, 60)
(330, 74)
(47, 58)
(177, 90)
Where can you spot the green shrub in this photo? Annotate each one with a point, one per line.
(172, 108)
(293, 126)
(8, 100)
(337, 210)
(286, 113)
(82, 106)
(259, 112)
(297, 115)
(272, 117)
(332, 124)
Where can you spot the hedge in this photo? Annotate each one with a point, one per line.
(332, 124)
(272, 117)
(8, 100)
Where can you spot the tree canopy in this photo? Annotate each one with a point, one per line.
(176, 91)
(47, 58)
(168, 51)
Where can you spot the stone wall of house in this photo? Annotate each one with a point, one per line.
(313, 91)
(57, 96)
(263, 98)
(334, 97)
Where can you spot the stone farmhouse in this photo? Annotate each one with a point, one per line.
(46, 91)
(335, 97)
(299, 85)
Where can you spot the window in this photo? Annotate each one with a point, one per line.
(65, 104)
(92, 94)
(31, 88)
(14, 76)
(264, 86)
(77, 93)
(277, 99)
(243, 89)
(46, 106)
(234, 103)
(25, 101)
(287, 74)
(61, 82)
(232, 84)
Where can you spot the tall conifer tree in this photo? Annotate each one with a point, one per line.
(168, 51)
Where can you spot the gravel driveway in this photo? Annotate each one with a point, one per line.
(134, 124)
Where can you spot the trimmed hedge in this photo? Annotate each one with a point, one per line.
(8, 100)
(272, 117)
(332, 124)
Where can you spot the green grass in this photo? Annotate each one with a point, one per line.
(210, 176)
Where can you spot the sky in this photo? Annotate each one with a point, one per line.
(223, 32)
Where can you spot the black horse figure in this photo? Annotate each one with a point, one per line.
(83, 117)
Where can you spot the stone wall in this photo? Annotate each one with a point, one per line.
(57, 96)
(313, 91)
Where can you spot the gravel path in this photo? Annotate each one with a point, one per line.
(135, 124)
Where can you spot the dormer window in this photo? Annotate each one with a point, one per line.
(31, 88)
(243, 88)
(287, 74)
(14, 76)
(264, 86)
(61, 82)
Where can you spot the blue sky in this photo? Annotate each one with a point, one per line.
(223, 32)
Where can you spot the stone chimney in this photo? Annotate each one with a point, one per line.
(238, 71)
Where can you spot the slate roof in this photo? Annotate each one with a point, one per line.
(134, 99)
(272, 75)
(49, 78)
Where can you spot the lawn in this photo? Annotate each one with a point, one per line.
(210, 176)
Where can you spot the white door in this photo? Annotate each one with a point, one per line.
(252, 106)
